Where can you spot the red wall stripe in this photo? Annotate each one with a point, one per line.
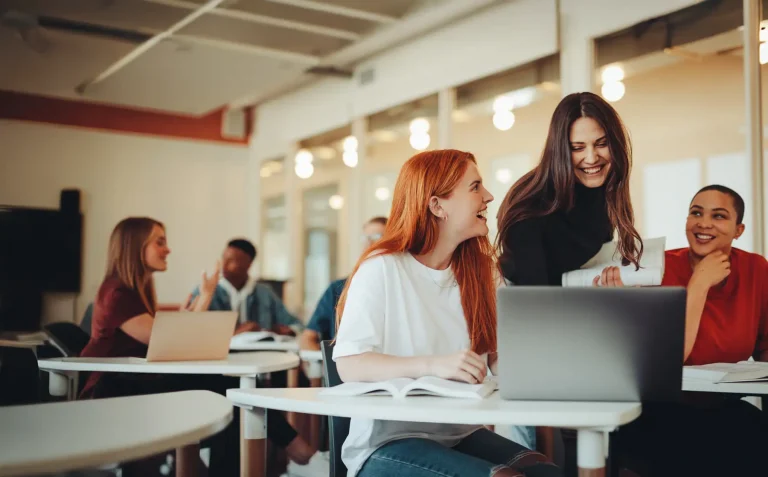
(28, 107)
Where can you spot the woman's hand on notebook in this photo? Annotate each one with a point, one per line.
(466, 366)
(283, 330)
(247, 327)
(611, 277)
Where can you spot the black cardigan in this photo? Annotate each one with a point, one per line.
(539, 250)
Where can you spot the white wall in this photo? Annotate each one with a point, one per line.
(197, 189)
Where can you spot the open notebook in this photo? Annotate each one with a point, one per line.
(651, 266)
(257, 336)
(742, 372)
(424, 386)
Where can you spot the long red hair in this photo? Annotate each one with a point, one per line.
(413, 228)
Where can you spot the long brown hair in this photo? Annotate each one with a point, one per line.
(125, 258)
(550, 186)
(413, 228)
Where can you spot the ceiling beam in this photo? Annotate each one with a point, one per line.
(147, 45)
(338, 10)
(264, 20)
(273, 53)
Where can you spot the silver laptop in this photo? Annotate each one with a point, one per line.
(591, 344)
(191, 336)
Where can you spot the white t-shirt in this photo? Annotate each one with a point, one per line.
(398, 306)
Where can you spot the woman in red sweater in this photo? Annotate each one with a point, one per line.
(726, 321)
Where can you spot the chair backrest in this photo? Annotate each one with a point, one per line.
(339, 426)
(85, 323)
(19, 376)
(68, 337)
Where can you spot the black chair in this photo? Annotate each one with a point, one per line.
(85, 323)
(69, 338)
(339, 426)
(18, 377)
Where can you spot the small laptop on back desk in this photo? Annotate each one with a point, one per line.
(191, 336)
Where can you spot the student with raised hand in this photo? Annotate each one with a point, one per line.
(123, 315)
(559, 215)
(322, 325)
(421, 302)
(726, 322)
(258, 307)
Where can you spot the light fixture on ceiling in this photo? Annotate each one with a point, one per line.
(349, 156)
(612, 73)
(503, 120)
(504, 175)
(382, 193)
(613, 88)
(419, 139)
(504, 102)
(304, 168)
(336, 202)
(524, 96)
(613, 91)
(503, 117)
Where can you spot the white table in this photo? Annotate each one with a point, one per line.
(43, 438)
(749, 389)
(592, 420)
(246, 366)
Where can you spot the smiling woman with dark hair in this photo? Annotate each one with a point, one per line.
(559, 215)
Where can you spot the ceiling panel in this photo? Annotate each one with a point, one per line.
(128, 14)
(288, 12)
(182, 74)
(394, 8)
(264, 35)
(66, 61)
(191, 79)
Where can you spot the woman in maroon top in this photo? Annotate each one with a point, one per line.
(123, 314)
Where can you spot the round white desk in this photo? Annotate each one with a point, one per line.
(59, 437)
(247, 366)
(592, 420)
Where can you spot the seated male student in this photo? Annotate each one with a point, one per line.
(257, 305)
(258, 309)
(322, 325)
(726, 322)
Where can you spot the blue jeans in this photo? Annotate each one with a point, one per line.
(481, 454)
